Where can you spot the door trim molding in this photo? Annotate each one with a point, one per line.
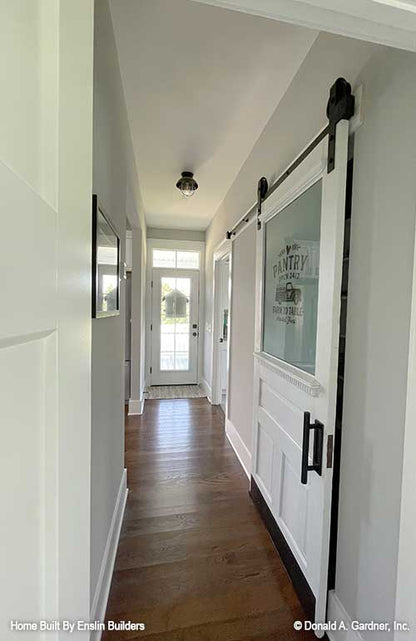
(406, 563)
(222, 250)
(102, 590)
(302, 588)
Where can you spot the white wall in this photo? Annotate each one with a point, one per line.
(115, 183)
(382, 240)
(240, 400)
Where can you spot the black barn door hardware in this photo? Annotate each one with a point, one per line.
(262, 189)
(340, 106)
(317, 447)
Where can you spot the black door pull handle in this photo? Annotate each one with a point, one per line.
(317, 447)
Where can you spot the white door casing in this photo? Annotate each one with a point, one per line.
(283, 392)
(221, 252)
(183, 370)
(224, 326)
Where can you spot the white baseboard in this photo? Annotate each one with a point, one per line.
(337, 612)
(239, 447)
(102, 590)
(136, 407)
(207, 389)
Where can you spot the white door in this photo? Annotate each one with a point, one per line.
(299, 262)
(175, 328)
(45, 319)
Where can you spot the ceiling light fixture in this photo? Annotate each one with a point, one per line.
(187, 184)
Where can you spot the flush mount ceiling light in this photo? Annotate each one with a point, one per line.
(187, 184)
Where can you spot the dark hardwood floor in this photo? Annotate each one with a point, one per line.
(195, 562)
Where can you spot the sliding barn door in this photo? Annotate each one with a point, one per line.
(299, 269)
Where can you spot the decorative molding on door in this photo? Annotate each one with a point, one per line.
(337, 612)
(102, 590)
(302, 380)
(239, 447)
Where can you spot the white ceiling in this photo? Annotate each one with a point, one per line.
(200, 83)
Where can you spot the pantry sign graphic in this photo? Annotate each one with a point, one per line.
(296, 264)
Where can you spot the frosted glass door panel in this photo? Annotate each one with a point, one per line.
(292, 241)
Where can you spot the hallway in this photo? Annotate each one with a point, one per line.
(195, 562)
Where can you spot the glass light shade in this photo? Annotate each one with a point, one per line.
(187, 184)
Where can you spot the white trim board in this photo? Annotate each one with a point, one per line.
(337, 612)
(136, 407)
(102, 590)
(386, 22)
(220, 252)
(239, 447)
(207, 389)
(406, 564)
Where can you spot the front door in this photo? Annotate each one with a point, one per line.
(299, 257)
(175, 327)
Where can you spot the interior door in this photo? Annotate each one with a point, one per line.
(299, 269)
(45, 321)
(175, 329)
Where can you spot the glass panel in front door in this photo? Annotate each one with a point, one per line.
(292, 240)
(175, 324)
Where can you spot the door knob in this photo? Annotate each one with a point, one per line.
(221, 340)
(194, 334)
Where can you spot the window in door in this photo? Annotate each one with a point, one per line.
(291, 277)
(175, 324)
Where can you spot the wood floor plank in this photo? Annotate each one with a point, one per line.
(195, 562)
